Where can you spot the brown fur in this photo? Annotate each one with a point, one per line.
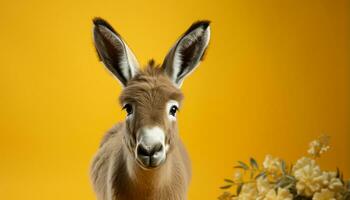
(114, 171)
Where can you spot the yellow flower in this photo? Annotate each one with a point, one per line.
(263, 185)
(319, 146)
(325, 194)
(272, 165)
(333, 183)
(309, 177)
(282, 194)
(248, 192)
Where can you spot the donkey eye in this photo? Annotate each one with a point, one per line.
(128, 108)
(173, 110)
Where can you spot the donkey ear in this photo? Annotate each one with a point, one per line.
(113, 51)
(187, 52)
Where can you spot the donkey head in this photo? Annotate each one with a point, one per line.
(151, 97)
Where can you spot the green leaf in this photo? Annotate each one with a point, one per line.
(228, 180)
(338, 173)
(253, 163)
(290, 177)
(239, 189)
(262, 174)
(243, 165)
(283, 167)
(283, 182)
(225, 187)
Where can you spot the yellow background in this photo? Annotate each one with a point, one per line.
(276, 76)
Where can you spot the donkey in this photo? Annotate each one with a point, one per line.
(143, 158)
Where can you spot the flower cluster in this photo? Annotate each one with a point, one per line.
(319, 146)
(275, 180)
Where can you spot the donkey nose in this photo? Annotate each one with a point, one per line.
(149, 151)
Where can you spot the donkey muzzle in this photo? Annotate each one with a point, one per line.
(150, 150)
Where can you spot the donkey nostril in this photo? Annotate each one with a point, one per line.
(142, 151)
(157, 148)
